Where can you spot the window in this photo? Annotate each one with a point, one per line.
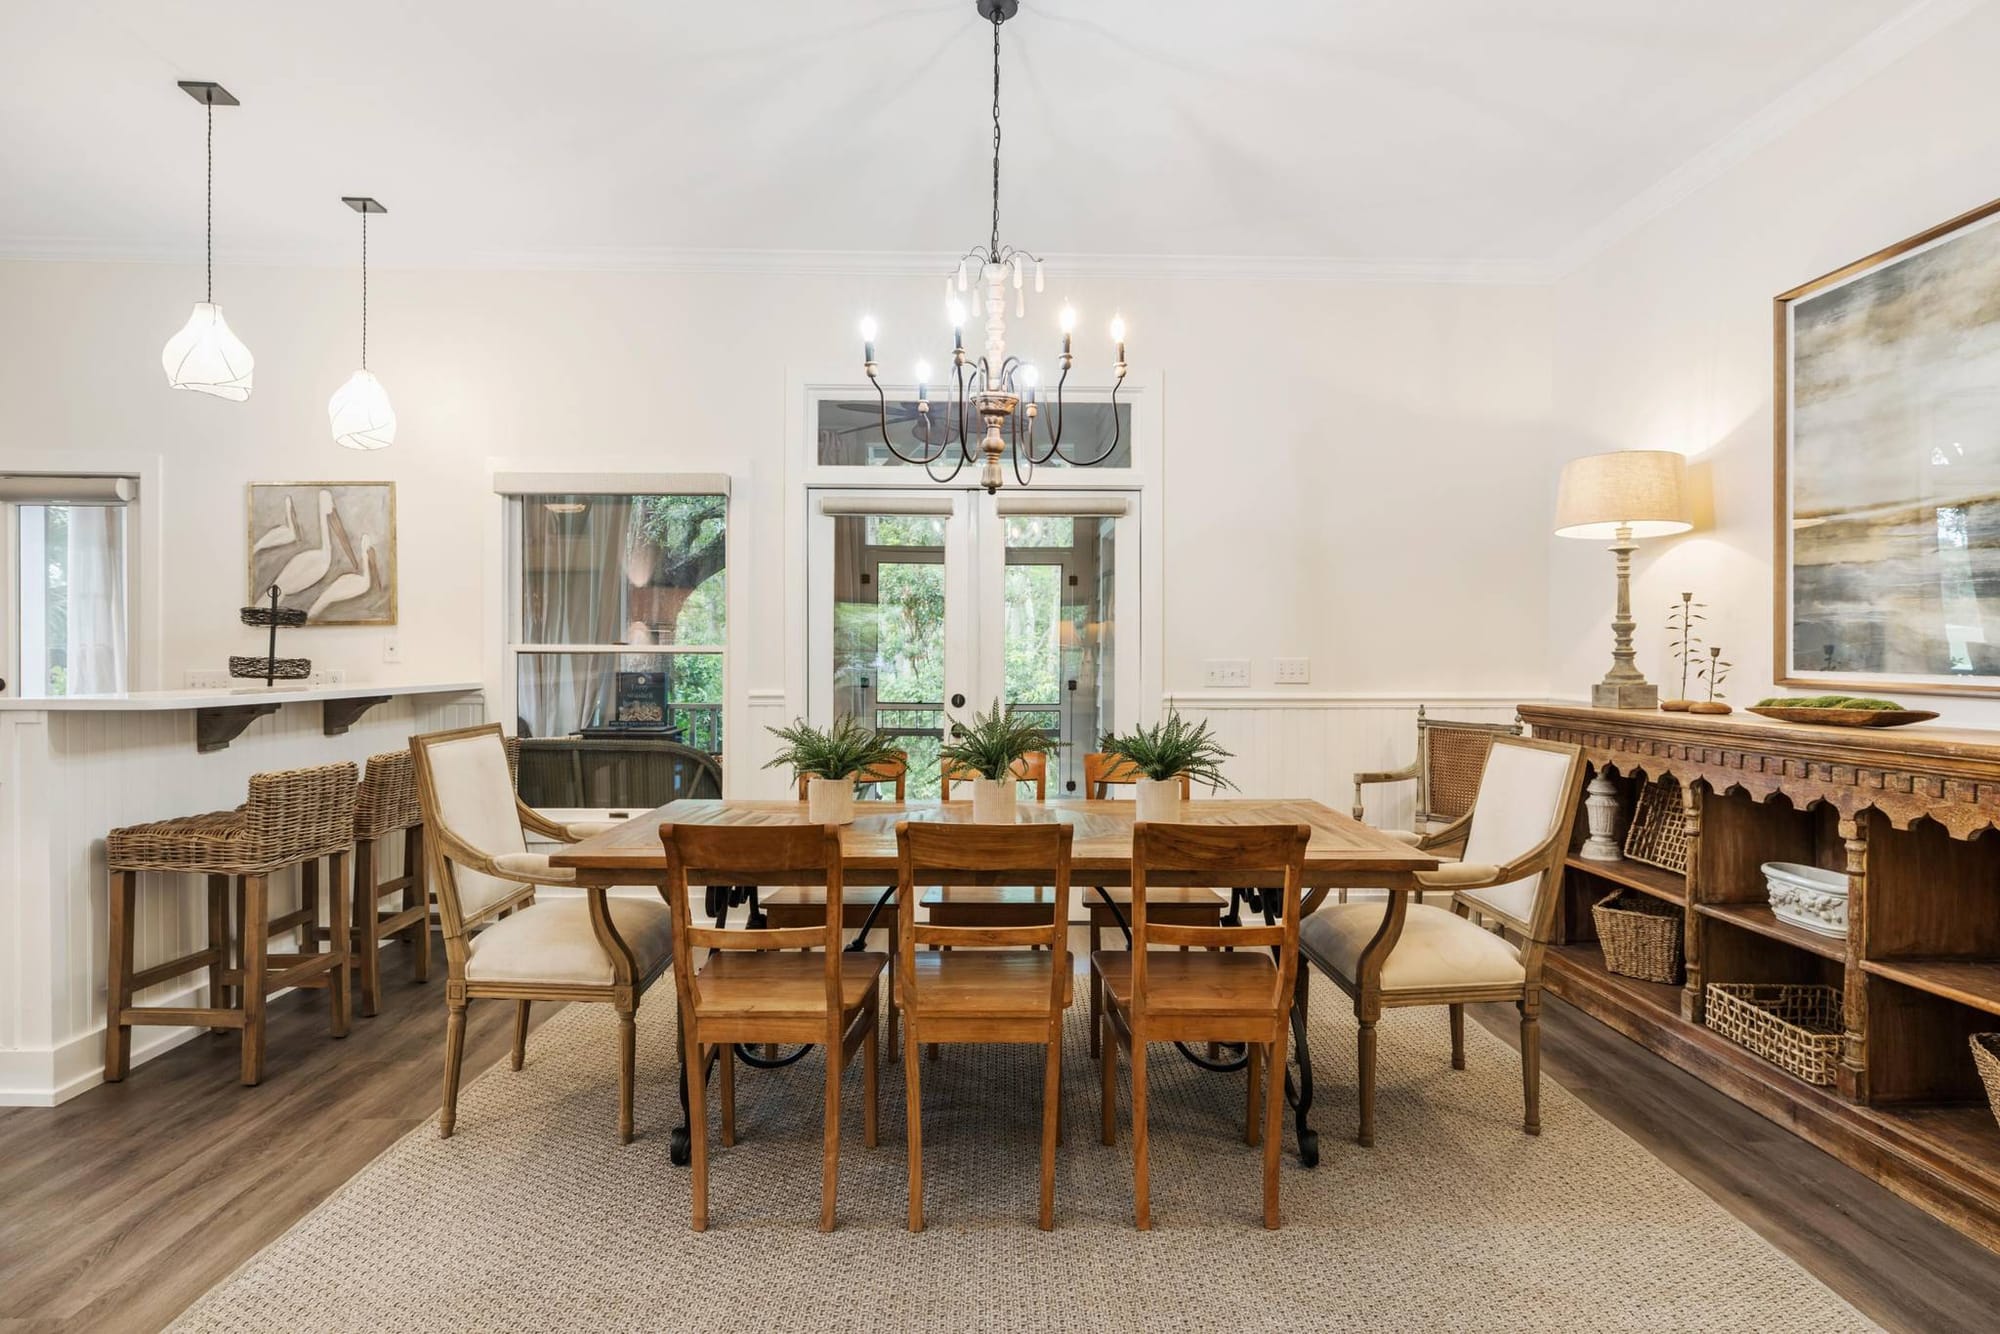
(620, 622)
(68, 553)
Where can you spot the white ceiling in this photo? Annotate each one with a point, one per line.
(1378, 132)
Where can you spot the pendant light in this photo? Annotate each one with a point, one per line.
(359, 409)
(205, 356)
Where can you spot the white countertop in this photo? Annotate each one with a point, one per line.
(166, 701)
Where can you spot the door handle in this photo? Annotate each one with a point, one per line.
(958, 701)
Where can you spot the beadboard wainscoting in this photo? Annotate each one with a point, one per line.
(766, 709)
(1312, 745)
(69, 777)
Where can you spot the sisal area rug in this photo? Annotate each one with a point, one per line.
(532, 1217)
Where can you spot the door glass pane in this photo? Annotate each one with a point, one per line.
(641, 570)
(1058, 589)
(850, 433)
(72, 599)
(888, 632)
(634, 696)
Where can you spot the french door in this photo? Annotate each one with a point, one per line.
(927, 605)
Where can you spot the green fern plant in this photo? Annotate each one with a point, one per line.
(845, 749)
(990, 744)
(1169, 749)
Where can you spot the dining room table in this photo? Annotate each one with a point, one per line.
(1342, 853)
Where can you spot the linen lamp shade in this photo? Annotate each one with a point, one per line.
(1644, 490)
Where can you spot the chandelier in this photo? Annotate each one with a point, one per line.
(1001, 389)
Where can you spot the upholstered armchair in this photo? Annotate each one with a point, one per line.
(1401, 953)
(500, 943)
(1450, 758)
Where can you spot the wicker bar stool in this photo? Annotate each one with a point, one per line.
(386, 806)
(292, 818)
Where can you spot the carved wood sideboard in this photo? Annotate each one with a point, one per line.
(1907, 815)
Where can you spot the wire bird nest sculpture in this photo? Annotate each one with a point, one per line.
(272, 667)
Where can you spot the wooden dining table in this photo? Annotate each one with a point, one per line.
(1342, 853)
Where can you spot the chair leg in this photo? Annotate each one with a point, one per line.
(1252, 1114)
(1365, 1042)
(870, 1087)
(454, 1059)
(340, 920)
(1096, 988)
(219, 994)
(1274, 1102)
(895, 1015)
(1051, 1123)
(726, 1059)
(1531, 1067)
(521, 1008)
(417, 894)
(829, 1183)
(628, 1058)
(366, 945)
(1458, 1037)
(256, 933)
(122, 896)
(1108, 1098)
(308, 931)
(1142, 1186)
(697, 1076)
(913, 1124)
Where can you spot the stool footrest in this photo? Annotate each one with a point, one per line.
(181, 1016)
(162, 972)
(299, 970)
(388, 923)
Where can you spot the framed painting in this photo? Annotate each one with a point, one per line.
(1888, 468)
(330, 547)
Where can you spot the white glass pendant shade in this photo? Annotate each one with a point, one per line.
(206, 357)
(361, 415)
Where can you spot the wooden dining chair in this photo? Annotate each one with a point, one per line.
(499, 942)
(1405, 954)
(752, 990)
(979, 993)
(1230, 992)
(789, 906)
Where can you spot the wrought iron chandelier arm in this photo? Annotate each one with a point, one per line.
(882, 424)
(1055, 429)
(1117, 432)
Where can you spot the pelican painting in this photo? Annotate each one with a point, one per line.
(340, 572)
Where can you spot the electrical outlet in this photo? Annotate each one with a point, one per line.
(328, 676)
(392, 649)
(1226, 673)
(207, 680)
(1293, 671)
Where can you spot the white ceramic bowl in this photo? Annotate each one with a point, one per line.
(1807, 896)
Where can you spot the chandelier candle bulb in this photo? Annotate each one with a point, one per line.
(1038, 277)
(868, 340)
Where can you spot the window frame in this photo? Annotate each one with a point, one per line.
(142, 567)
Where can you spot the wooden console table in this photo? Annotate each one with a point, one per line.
(1907, 814)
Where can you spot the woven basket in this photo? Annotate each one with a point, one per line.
(1640, 936)
(1986, 1057)
(1796, 1028)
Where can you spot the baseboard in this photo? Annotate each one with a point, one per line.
(50, 1076)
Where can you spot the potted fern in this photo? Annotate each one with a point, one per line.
(1164, 754)
(828, 760)
(990, 745)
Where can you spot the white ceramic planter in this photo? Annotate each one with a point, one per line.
(994, 800)
(1807, 896)
(1158, 800)
(830, 800)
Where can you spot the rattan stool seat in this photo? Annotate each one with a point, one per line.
(387, 800)
(292, 814)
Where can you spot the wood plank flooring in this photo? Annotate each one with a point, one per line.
(122, 1206)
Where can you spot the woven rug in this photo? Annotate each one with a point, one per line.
(532, 1217)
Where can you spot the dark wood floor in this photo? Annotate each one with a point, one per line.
(124, 1205)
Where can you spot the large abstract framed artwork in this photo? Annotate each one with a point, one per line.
(330, 547)
(1888, 467)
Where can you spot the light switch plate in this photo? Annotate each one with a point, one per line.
(207, 679)
(1226, 673)
(1293, 671)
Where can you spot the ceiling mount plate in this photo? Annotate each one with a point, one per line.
(1005, 9)
(363, 204)
(209, 94)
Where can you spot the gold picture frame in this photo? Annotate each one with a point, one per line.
(329, 546)
(1892, 382)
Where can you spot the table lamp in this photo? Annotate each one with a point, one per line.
(1624, 495)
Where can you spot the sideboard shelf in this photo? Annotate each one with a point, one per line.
(1909, 817)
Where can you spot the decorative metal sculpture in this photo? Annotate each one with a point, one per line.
(1713, 673)
(1681, 621)
(272, 667)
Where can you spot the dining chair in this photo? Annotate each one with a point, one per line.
(499, 942)
(1109, 905)
(752, 991)
(1229, 992)
(980, 993)
(1405, 954)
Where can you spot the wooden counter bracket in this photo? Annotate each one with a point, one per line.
(340, 714)
(215, 728)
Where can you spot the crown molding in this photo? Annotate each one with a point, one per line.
(1869, 56)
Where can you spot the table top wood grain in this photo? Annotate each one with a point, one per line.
(1343, 852)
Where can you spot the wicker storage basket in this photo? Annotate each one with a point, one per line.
(1797, 1028)
(1640, 936)
(1986, 1057)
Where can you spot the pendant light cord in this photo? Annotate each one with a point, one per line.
(209, 225)
(993, 246)
(364, 289)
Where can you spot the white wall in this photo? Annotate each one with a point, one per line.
(1353, 473)
(1664, 341)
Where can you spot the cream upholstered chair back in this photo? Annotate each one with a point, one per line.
(469, 797)
(1527, 797)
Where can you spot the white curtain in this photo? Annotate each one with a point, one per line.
(96, 568)
(575, 586)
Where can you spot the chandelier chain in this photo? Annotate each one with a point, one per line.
(993, 245)
(208, 225)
